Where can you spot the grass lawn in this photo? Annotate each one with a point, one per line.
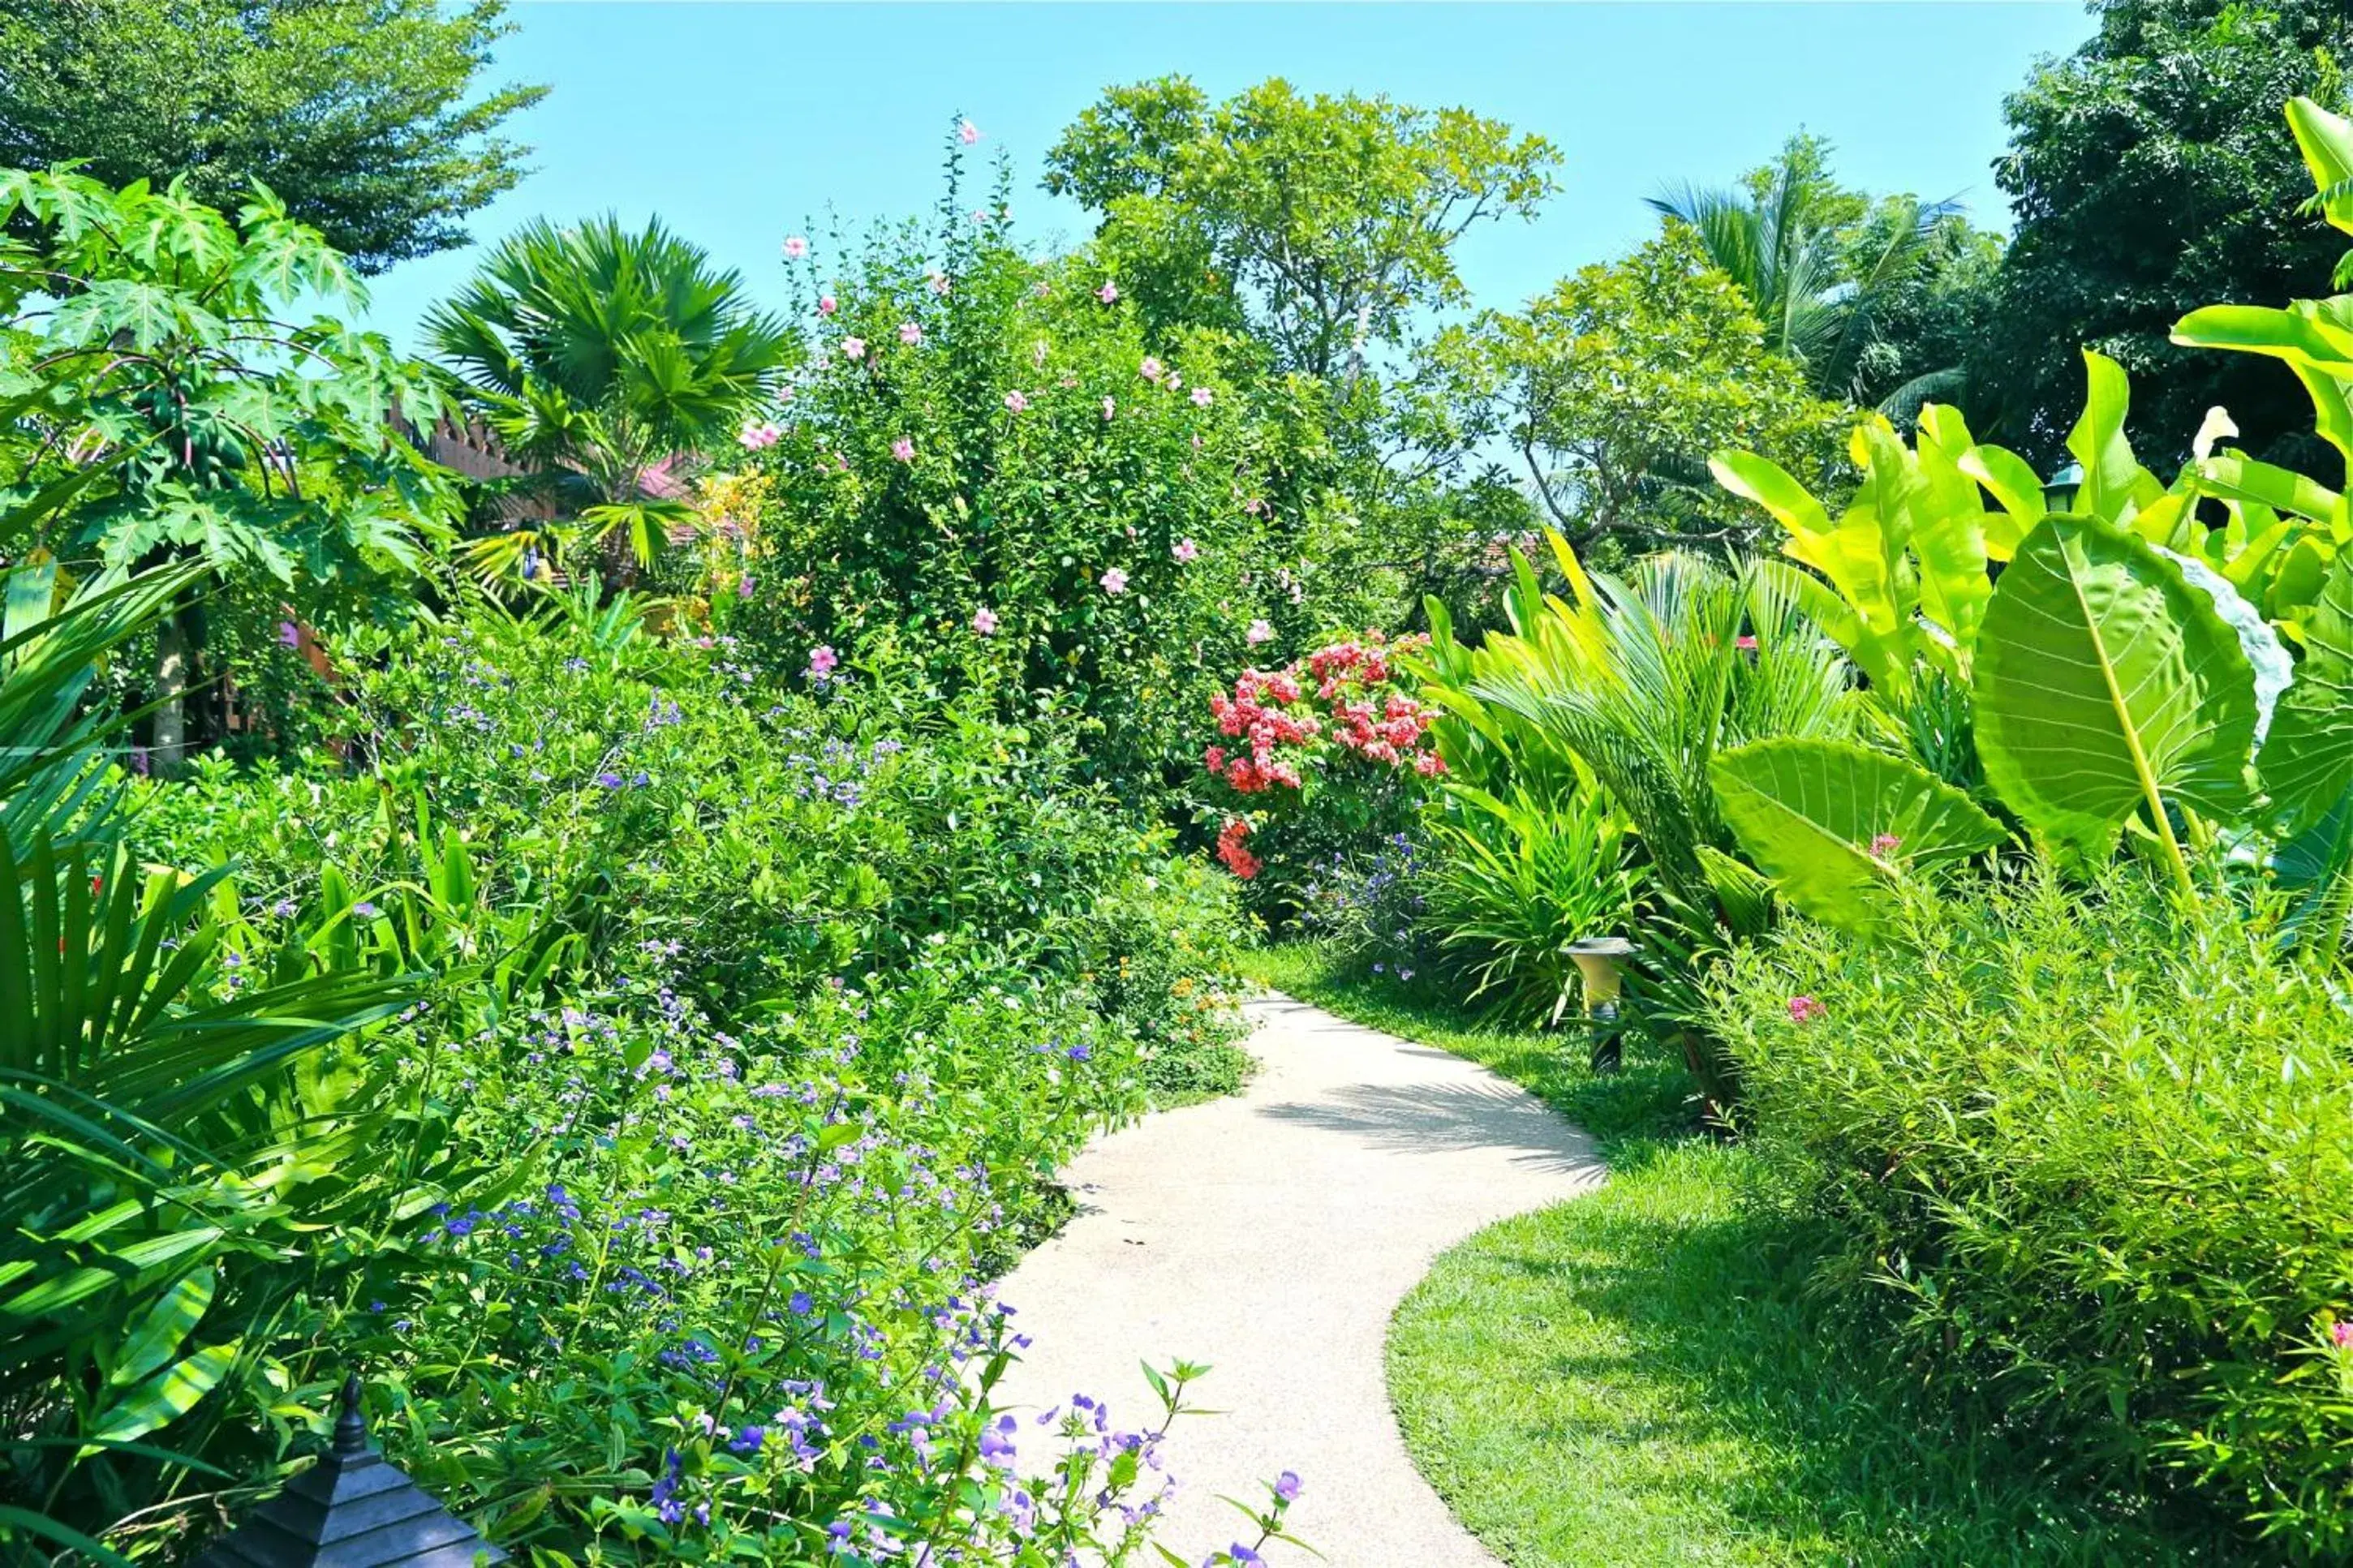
(1637, 1378)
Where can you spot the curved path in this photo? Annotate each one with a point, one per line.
(1270, 1234)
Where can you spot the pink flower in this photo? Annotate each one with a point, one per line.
(822, 662)
(754, 436)
(1115, 581)
(289, 635)
(1175, 381)
(1884, 844)
(853, 348)
(1201, 397)
(903, 449)
(1108, 292)
(984, 621)
(796, 247)
(967, 132)
(2341, 1335)
(1806, 1009)
(909, 333)
(1744, 643)
(827, 305)
(1185, 550)
(939, 283)
(1015, 401)
(1258, 632)
(1150, 369)
(1110, 408)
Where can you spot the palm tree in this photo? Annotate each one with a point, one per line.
(606, 358)
(1819, 269)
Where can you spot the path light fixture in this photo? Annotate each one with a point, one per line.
(1597, 960)
(2059, 491)
(351, 1510)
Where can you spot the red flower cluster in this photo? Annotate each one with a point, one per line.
(1387, 728)
(1236, 858)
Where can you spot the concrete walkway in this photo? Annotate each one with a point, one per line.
(1270, 1234)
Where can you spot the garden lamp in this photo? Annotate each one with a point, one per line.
(2058, 490)
(1597, 959)
(351, 1510)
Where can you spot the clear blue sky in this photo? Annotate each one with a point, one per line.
(737, 123)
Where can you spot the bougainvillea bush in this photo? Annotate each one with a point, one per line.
(766, 1011)
(1314, 763)
(985, 459)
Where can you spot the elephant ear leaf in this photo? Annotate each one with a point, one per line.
(2307, 760)
(2106, 683)
(1836, 825)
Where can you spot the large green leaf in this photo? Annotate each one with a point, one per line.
(2115, 484)
(161, 1330)
(2307, 760)
(163, 1398)
(1835, 825)
(2105, 684)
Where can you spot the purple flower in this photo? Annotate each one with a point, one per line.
(290, 635)
(749, 1440)
(800, 1304)
(1286, 1485)
(611, 780)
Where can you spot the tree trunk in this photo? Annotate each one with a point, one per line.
(175, 658)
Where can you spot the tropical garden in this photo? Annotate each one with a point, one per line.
(597, 870)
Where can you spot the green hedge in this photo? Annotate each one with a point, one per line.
(2093, 1152)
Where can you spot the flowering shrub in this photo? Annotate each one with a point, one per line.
(767, 1014)
(987, 461)
(1320, 758)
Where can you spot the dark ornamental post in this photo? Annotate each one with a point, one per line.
(351, 1510)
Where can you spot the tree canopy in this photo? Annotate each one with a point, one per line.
(358, 114)
(1323, 223)
(2151, 174)
(1615, 386)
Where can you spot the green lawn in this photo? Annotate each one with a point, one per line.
(1636, 1377)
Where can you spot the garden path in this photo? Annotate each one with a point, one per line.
(1269, 1235)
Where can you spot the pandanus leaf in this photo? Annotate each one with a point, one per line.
(2107, 684)
(1836, 825)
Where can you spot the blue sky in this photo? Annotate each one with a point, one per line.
(738, 123)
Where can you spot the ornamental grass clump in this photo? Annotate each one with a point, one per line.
(2090, 1151)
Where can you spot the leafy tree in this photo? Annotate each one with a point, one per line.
(163, 409)
(356, 112)
(2151, 174)
(1831, 273)
(608, 357)
(1616, 385)
(1322, 222)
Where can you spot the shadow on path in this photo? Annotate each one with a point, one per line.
(1432, 1118)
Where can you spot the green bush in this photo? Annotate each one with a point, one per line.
(2094, 1146)
(987, 459)
(770, 1015)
